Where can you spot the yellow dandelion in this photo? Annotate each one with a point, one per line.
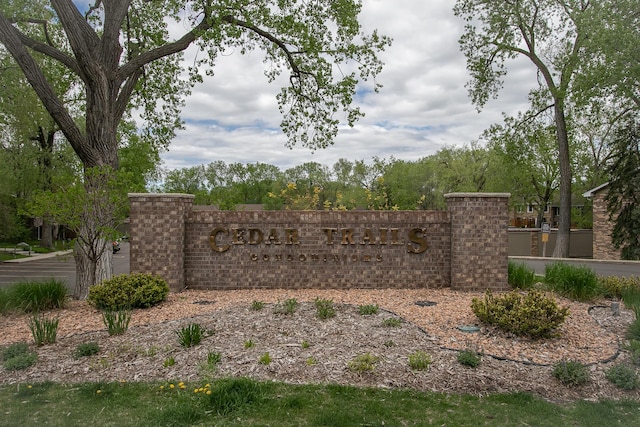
(98, 391)
(207, 385)
(28, 386)
(172, 386)
(208, 392)
(161, 387)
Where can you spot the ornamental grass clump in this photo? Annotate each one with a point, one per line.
(533, 314)
(43, 329)
(368, 309)
(190, 335)
(116, 321)
(578, 283)
(288, 307)
(520, 276)
(37, 296)
(469, 358)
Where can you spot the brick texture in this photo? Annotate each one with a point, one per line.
(479, 240)
(603, 229)
(202, 248)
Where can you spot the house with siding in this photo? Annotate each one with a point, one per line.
(602, 226)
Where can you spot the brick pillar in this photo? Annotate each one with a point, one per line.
(157, 229)
(479, 240)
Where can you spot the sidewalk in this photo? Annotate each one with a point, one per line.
(36, 256)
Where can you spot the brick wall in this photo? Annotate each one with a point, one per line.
(202, 248)
(602, 229)
(479, 240)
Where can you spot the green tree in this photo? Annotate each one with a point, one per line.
(122, 53)
(551, 35)
(623, 197)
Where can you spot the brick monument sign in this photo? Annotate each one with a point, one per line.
(199, 247)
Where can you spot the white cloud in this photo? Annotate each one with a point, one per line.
(423, 105)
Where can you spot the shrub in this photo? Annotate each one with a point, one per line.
(469, 358)
(5, 301)
(43, 329)
(623, 377)
(419, 361)
(614, 286)
(367, 310)
(128, 291)
(86, 349)
(116, 321)
(18, 356)
(324, 308)
(37, 296)
(520, 276)
(570, 372)
(575, 282)
(363, 363)
(534, 314)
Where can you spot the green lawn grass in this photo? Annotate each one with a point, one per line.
(250, 403)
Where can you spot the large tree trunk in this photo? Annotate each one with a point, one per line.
(564, 221)
(92, 267)
(46, 238)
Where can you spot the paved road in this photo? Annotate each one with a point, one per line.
(61, 267)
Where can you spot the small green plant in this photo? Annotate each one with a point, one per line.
(634, 351)
(249, 344)
(469, 358)
(128, 291)
(213, 359)
(43, 329)
(633, 330)
(190, 335)
(631, 299)
(311, 361)
(520, 276)
(570, 372)
(578, 283)
(367, 310)
(622, 376)
(363, 363)
(419, 361)
(116, 321)
(392, 322)
(257, 305)
(534, 314)
(389, 343)
(288, 307)
(17, 356)
(324, 308)
(265, 359)
(305, 344)
(86, 349)
(170, 361)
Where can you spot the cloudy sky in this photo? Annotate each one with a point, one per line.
(422, 107)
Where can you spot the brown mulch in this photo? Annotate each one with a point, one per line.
(591, 335)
